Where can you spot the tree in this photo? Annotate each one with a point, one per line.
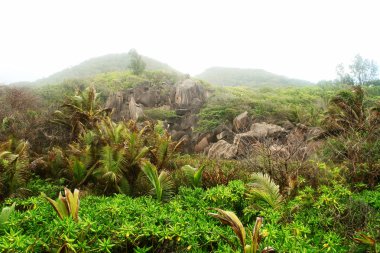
(363, 70)
(344, 77)
(136, 62)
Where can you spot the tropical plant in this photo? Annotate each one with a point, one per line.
(230, 218)
(6, 213)
(135, 151)
(110, 170)
(263, 192)
(14, 167)
(162, 186)
(67, 206)
(346, 111)
(194, 174)
(357, 131)
(81, 111)
(362, 238)
(163, 148)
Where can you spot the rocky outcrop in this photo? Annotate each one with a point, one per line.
(135, 110)
(225, 135)
(117, 101)
(222, 149)
(315, 133)
(189, 94)
(241, 122)
(244, 142)
(265, 130)
(202, 145)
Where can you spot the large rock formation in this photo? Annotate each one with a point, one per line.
(135, 110)
(265, 130)
(241, 122)
(222, 149)
(119, 104)
(202, 144)
(189, 94)
(244, 142)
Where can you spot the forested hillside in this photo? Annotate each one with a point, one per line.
(99, 65)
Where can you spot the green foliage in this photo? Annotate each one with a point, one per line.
(163, 148)
(162, 186)
(81, 111)
(6, 213)
(14, 168)
(298, 105)
(229, 218)
(99, 65)
(120, 223)
(263, 192)
(194, 174)
(67, 206)
(357, 129)
(159, 113)
(137, 65)
(315, 220)
(247, 77)
(110, 170)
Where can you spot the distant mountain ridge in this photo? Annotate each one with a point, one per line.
(247, 77)
(102, 64)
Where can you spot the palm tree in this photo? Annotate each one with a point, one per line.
(110, 170)
(81, 111)
(163, 147)
(346, 111)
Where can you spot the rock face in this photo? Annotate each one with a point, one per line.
(119, 105)
(264, 130)
(225, 135)
(202, 145)
(244, 142)
(241, 122)
(135, 110)
(189, 94)
(222, 149)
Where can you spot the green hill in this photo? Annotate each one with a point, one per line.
(247, 77)
(102, 64)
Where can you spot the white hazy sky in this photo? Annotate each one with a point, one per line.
(302, 39)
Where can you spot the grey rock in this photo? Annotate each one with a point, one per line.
(200, 147)
(189, 93)
(241, 122)
(135, 110)
(222, 149)
(264, 130)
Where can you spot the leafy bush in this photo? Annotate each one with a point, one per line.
(120, 223)
(159, 113)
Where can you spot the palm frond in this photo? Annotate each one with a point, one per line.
(194, 175)
(262, 191)
(161, 185)
(230, 219)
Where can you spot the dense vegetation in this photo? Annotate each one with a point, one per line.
(139, 193)
(247, 77)
(102, 64)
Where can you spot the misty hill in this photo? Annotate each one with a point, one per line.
(247, 77)
(102, 64)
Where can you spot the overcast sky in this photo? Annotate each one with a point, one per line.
(300, 39)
